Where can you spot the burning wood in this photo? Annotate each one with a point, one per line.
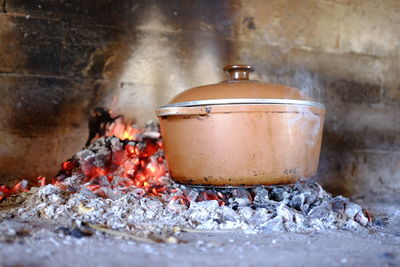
(111, 166)
(99, 121)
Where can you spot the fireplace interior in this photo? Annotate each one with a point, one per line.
(111, 201)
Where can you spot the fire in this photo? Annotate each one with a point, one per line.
(135, 162)
(5, 191)
(132, 162)
(123, 131)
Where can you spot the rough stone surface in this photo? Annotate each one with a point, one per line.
(28, 48)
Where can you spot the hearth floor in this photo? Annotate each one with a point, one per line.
(337, 248)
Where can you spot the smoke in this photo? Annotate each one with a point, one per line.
(310, 88)
(162, 63)
(151, 73)
(299, 77)
(308, 84)
(207, 67)
(304, 120)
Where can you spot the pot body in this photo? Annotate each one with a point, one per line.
(242, 145)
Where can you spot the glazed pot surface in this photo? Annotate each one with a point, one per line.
(244, 139)
(240, 148)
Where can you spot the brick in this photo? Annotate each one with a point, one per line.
(391, 84)
(43, 121)
(321, 25)
(149, 14)
(153, 73)
(289, 23)
(214, 17)
(345, 117)
(153, 58)
(354, 139)
(378, 173)
(30, 45)
(342, 77)
(334, 171)
(104, 12)
(163, 64)
(322, 75)
(26, 158)
(369, 31)
(92, 51)
(361, 68)
(354, 136)
(270, 62)
(203, 56)
(34, 106)
(119, 14)
(350, 90)
(364, 173)
(383, 5)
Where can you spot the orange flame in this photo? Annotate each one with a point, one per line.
(21, 186)
(122, 131)
(136, 165)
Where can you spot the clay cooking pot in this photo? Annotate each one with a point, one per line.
(241, 132)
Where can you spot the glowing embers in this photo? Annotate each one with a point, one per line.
(111, 166)
(21, 186)
(123, 131)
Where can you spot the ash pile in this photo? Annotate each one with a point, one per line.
(124, 184)
(298, 208)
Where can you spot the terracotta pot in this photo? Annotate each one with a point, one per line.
(241, 132)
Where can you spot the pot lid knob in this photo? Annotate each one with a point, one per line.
(238, 71)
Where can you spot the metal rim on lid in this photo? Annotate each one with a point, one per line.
(238, 91)
(244, 101)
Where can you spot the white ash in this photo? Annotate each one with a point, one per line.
(302, 207)
(118, 204)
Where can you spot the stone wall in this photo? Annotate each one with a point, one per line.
(348, 52)
(59, 59)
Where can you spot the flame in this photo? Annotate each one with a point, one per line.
(123, 131)
(137, 166)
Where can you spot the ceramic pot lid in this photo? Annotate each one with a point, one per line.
(239, 89)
